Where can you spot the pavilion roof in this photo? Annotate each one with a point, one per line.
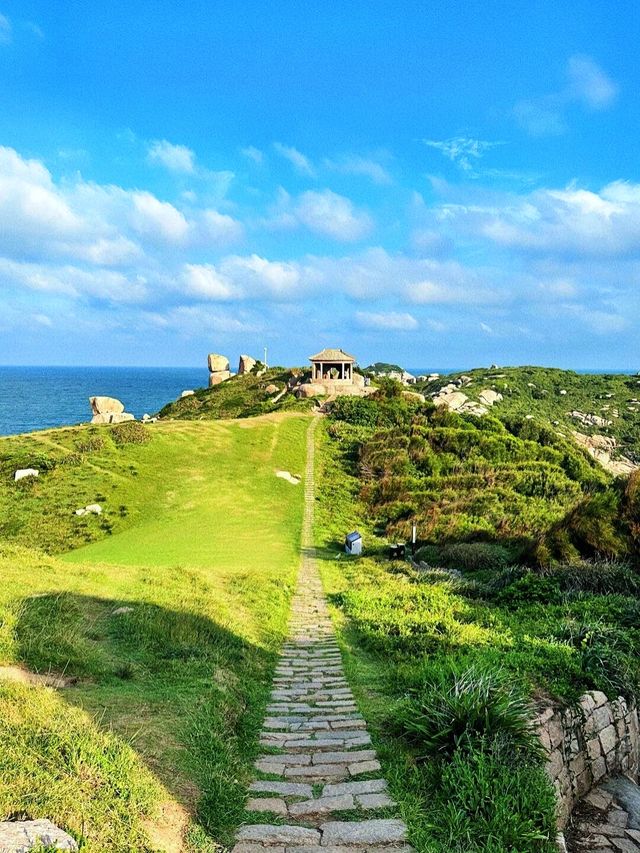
(332, 355)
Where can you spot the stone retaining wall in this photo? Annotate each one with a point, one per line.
(585, 743)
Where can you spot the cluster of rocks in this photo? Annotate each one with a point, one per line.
(108, 410)
(454, 398)
(604, 450)
(590, 420)
(607, 819)
(90, 509)
(358, 388)
(219, 369)
(587, 742)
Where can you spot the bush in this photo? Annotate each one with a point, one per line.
(528, 589)
(360, 411)
(489, 799)
(90, 444)
(130, 432)
(462, 708)
(475, 556)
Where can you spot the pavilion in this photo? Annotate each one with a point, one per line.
(332, 365)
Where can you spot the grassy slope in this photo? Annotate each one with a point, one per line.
(206, 556)
(400, 627)
(536, 391)
(238, 397)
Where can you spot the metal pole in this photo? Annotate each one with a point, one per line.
(265, 357)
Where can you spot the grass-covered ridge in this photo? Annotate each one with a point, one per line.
(165, 625)
(241, 396)
(550, 395)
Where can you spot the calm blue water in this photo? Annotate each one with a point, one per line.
(40, 397)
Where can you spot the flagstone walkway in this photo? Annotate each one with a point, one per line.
(318, 778)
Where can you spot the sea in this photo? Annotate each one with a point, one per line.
(42, 397)
(34, 398)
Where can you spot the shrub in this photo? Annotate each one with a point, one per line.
(530, 588)
(490, 799)
(461, 708)
(90, 444)
(360, 411)
(130, 432)
(475, 556)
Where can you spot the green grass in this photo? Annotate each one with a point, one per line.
(550, 634)
(537, 391)
(174, 690)
(240, 397)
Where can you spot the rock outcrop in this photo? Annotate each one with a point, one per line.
(108, 410)
(218, 377)
(218, 369)
(451, 396)
(311, 390)
(217, 362)
(246, 364)
(20, 835)
(590, 420)
(23, 473)
(603, 448)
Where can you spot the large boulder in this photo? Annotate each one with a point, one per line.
(106, 405)
(217, 362)
(112, 418)
(454, 400)
(311, 390)
(23, 473)
(358, 380)
(245, 364)
(218, 377)
(489, 397)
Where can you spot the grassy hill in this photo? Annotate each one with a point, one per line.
(163, 620)
(241, 397)
(551, 395)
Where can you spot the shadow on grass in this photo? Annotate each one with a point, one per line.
(186, 693)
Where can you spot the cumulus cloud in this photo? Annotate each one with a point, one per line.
(155, 218)
(6, 30)
(298, 160)
(176, 158)
(393, 320)
(332, 215)
(586, 84)
(74, 281)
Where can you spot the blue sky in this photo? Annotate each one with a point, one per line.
(439, 184)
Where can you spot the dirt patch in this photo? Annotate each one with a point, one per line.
(22, 676)
(167, 831)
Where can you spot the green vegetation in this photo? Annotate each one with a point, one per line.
(382, 367)
(164, 624)
(550, 395)
(241, 397)
(526, 590)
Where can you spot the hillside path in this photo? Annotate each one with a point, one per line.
(318, 774)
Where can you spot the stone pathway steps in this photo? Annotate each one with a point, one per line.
(318, 774)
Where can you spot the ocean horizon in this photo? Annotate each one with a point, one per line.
(35, 398)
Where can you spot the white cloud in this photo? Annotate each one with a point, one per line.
(42, 320)
(464, 151)
(252, 153)
(5, 30)
(298, 160)
(176, 158)
(205, 281)
(587, 84)
(155, 218)
(332, 215)
(220, 228)
(73, 281)
(355, 165)
(390, 320)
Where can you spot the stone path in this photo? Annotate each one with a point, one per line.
(319, 786)
(607, 820)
